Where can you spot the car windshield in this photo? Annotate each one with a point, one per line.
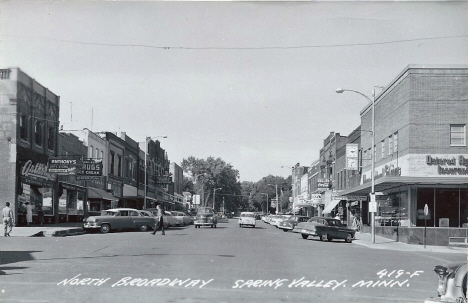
(247, 215)
(205, 210)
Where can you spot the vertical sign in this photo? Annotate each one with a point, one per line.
(352, 157)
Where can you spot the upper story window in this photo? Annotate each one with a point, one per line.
(457, 135)
(112, 163)
(395, 142)
(38, 133)
(383, 149)
(50, 138)
(24, 127)
(119, 167)
(90, 151)
(390, 145)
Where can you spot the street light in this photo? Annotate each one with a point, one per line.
(277, 200)
(372, 195)
(214, 196)
(146, 165)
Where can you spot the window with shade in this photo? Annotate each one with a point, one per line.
(457, 135)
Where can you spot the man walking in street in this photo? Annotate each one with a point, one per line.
(159, 221)
(7, 219)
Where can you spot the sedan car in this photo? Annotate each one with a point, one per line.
(291, 223)
(205, 217)
(118, 219)
(452, 286)
(247, 218)
(182, 218)
(168, 218)
(325, 228)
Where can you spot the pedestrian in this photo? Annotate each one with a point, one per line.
(8, 219)
(28, 213)
(40, 215)
(159, 221)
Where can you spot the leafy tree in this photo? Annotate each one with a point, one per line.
(209, 174)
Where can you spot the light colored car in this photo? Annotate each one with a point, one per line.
(118, 219)
(182, 218)
(168, 218)
(291, 223)
(205, 217)
(247, 218)
(326, 229)
(278, 219)
(452, 286)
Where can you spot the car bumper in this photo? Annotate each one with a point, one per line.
(205, 223)
(90, 226)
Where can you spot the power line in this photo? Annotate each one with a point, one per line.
(241, 48)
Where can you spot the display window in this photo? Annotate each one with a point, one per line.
(393, 209)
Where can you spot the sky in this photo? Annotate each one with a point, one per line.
(250, 82)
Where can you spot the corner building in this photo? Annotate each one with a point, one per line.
(421, 155)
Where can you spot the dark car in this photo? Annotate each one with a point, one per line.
(325, 228)
(452, 285)
(118, 219)
(205, 217)
(291, 223)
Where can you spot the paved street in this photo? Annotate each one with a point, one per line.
(223, 264)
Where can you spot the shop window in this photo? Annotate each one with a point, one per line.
(393, 209)
(457, 135)
(447, 206)
(24, 127)
(50, 138)
(38, 133)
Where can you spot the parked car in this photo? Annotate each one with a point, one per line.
(147, 213)
(325, 228)
(247, 218)
(182, 218)
(205, 217)
(275, 221)
(118, 219)
(168, 219)
(291, 223)
(452, 285)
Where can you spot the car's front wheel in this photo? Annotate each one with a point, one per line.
(105, 228)
(144, 228)
(285, 230)
(324, 237)
(349, 238)
(304, 236)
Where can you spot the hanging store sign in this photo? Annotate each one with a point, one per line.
(323, 184)
(64, 165)
(90, 167)
(164, 180)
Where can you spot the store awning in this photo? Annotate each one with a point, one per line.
(96, 193)
(330, 206)
(387, 183)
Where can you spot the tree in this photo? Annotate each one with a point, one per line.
(209, 174)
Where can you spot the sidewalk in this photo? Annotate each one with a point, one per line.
(365, 239)
(52, 230)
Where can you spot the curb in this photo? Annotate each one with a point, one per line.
(61, 233)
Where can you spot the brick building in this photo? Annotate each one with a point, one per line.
(29, 114)
(421, 155)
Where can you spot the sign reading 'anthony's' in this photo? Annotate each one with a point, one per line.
(64, 164)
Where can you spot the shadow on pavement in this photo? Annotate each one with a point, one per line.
(8, 257)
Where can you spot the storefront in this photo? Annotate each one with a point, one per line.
(99, 200)
(35, 186)
(71, 206)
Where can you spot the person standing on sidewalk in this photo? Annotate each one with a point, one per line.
(8, 219)
(28, 213)
(159, 221)
(40, 215)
